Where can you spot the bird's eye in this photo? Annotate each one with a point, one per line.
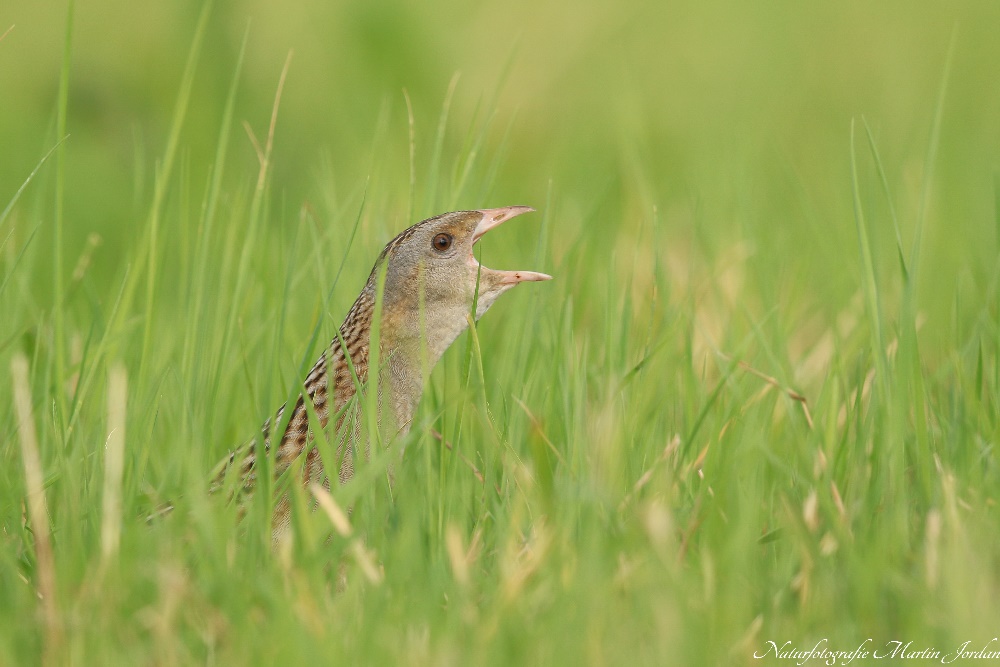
(442, 242)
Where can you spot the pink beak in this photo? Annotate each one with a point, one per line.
(494, 217)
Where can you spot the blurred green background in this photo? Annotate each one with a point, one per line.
(655, 502)
(716, 107)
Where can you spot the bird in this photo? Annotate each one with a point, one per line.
(432, 282)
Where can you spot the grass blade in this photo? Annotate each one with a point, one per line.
(58, 317)
(869, 284)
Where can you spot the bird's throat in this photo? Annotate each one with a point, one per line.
(408, 350)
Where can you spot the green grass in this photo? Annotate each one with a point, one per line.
(759, 402)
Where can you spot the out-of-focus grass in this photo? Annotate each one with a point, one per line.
(733, 417)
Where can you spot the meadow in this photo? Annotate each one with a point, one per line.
(755, 412)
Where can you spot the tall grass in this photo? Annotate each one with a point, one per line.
(759, 402)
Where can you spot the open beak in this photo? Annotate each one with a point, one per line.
(494, 217)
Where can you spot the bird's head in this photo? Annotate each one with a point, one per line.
(431, 277)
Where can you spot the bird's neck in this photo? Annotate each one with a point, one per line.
(410, 346)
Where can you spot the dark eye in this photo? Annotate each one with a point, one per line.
(442, 242)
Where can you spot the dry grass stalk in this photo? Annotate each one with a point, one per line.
(336, 515)
(114, 459)
(364, 558)
(37, 509)
(932, 561)
(457, 554)
(791, 393)
(451, 448)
